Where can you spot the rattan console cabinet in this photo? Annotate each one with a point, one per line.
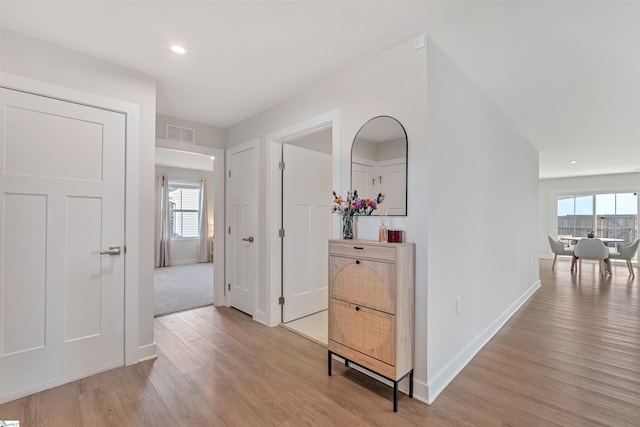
(371, 308)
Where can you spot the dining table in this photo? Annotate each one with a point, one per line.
(608, 241)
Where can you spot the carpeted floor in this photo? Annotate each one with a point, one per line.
(182, 287)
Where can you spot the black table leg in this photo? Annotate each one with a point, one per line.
(329, 363)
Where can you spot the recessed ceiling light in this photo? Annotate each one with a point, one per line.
(573, 162)
(176, 48)
(212, 158)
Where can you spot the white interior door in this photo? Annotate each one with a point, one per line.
(61, 203)
(307, 223)
(392, 179)
(242, 226)
(362, 179)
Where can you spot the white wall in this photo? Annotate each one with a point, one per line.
(391, 150)
(481, 218)
(39, 60)
(550, 187)
(318, 141)
(185, 251)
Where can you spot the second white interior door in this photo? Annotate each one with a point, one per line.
(307, 224)
(242, 234)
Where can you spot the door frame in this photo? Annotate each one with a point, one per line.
(218, 209)
(252, 144)
(274, 141)
(132, 353)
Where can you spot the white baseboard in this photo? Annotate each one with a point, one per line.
(420, 391)
(262, 317)
(147, 352)
(453, 368)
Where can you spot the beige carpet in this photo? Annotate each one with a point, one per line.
(182, 287)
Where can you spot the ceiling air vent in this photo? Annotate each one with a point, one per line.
(181, 133)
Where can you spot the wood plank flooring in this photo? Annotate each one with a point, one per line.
(569, 357)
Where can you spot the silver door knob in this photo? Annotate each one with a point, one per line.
(113, 250)
(248, 239)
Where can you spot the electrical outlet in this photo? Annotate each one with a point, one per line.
(458, 304)
(531, 262)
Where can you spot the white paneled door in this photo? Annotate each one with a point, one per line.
(362, 179)
(392, 182)
(61, 204)
(307, 222)
(242, 226)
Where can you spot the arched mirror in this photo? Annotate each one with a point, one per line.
(379, 164)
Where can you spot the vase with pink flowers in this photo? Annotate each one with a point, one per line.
(352, 205)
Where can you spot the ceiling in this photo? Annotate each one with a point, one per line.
(566, 73)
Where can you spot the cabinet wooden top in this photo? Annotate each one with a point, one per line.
(369, 243)
(369, 249)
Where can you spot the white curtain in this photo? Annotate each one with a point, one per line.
(163, 223)
(203, 229)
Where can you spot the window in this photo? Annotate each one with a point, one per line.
(610, 215)
(575, 215)
(184, 201)
(617, 216)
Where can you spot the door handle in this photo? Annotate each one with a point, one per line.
(113, 250)
(248, 239)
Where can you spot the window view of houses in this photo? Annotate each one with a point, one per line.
(605, 215)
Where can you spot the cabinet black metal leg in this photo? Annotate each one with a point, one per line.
(411, 384)
(409, 374)
(395, 396)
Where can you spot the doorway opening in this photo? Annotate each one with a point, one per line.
(184, 268)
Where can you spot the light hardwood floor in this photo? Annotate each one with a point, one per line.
(570, 356)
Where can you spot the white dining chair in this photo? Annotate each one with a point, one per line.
(626, 252)
(592, 249)
(558, 248)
